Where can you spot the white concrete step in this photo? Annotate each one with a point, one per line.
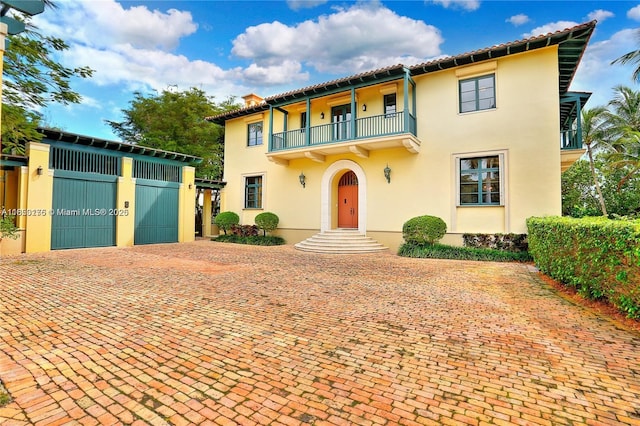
(340, 241)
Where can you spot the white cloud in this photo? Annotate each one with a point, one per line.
(101, 23)
(304, 4)
(597, 75)
(360, 38)
(283, 73)
(132, 47)
(600, 15)
(634, 13)
(461, 4)
(519, 19)
(154, 69)
(550, 28)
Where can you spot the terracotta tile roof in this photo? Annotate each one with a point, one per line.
(572, 43)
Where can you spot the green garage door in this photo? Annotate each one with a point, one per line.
(156, 213)
(82, 213)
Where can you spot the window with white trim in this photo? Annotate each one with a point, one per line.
(477, 93)
(480, 180)
(253, 192)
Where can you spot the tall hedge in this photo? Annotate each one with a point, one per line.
(598, 256)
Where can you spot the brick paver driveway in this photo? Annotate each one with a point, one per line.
(206, 333)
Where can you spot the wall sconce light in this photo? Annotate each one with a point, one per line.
(322, 116)
(302, 178)
(387, 174)
(364, 107)
(190, 186)
(39, 171)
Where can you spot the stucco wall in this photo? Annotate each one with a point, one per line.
(524, 128)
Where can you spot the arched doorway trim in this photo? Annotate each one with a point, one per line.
(327, 190)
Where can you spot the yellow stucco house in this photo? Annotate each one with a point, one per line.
(479, 140)
(76, 191)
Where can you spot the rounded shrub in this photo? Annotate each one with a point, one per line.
(226, 220)
(424, 230)
(267, 221)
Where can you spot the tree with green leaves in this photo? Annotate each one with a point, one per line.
(32, 78)
(632, 57)
(174, 121)
(579, 198)
(624, 111)
(595, 128)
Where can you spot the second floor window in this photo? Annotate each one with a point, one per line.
(390, 104)
(254, 134)
(478, 93)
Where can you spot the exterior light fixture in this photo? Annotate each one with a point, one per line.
(190, 186)
(364, 107)
(39, 171)
(322, 116)
(302, 178)
(387, 174)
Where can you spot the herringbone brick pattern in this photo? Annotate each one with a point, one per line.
(216, 334)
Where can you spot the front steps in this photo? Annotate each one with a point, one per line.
(340, 241)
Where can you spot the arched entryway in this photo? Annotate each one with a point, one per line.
(348, 200)
(330, 184)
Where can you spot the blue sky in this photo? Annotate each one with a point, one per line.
(233, 48)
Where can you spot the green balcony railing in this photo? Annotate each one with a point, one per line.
(365, 128)
(569, 139)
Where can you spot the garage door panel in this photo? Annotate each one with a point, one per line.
(156, 214)
(81, 214)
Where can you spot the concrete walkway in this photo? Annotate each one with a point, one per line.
(210, 333)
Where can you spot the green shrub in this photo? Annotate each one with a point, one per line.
(441, 251)
(8, 228)
(267, 221)
(225, 220)
(508, 242)
(598, 256)
(255, 240)
(424, 230)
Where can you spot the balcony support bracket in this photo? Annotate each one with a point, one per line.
(359, 151)
(315, 156)
(411, 146)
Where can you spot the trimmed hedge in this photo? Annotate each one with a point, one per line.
(424, 230)
(267, 221)
(226, 220)
(254, 240)
(442, 251)
(598, 256)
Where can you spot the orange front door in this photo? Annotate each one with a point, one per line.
(348, 201)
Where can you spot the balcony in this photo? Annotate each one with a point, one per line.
(571, 148)
(365, 134)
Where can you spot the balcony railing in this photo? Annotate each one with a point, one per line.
(570, 140)
(365, 128)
